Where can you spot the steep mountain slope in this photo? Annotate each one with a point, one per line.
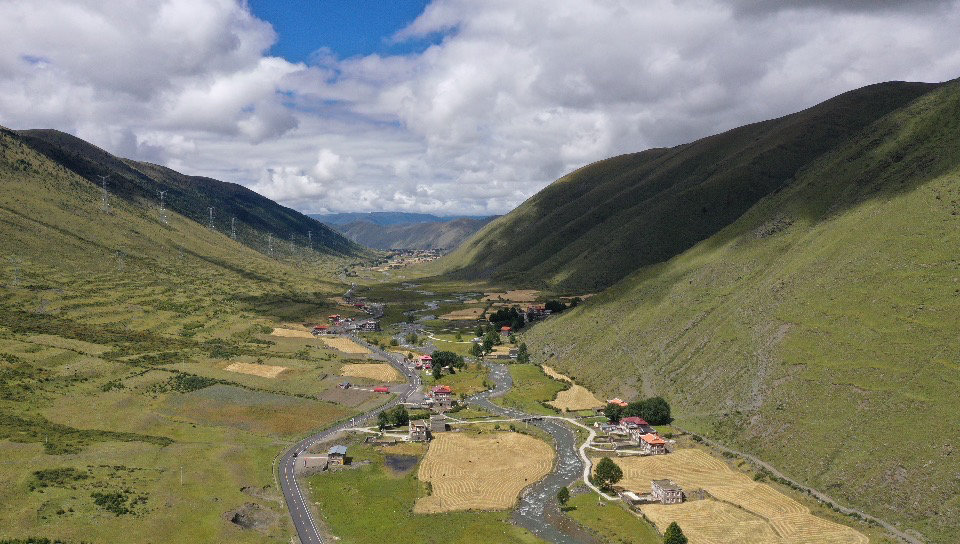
(256, 216)
(818, 331)
(426, 235)
(602, 222)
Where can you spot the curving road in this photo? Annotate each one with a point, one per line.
(299, 509)
(537, 510)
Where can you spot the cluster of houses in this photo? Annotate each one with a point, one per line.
(536, 312)
(635, 431)
(340, 325)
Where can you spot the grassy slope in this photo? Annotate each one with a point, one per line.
(191, 196)
(602, 222)
(97, 313)
(819, 331)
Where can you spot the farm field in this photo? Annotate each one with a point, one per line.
(481, 472)
(531, 389)
(382, 372)
(347, 501)
(264, 371)
(576, 398)
(292, 333)
(344, 345)
(515, 295)
(466, 314)
(750, 511)
(573, 399)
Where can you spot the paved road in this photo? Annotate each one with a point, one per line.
(296, 502)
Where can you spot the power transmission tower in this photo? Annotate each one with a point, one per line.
(211, 219)
(233, 228)
(163, 210)
(310, 239)
(270, 243)
(104, 195)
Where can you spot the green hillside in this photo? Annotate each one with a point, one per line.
(255, 216)
(818, 331)
(117, 413)
(602, 222)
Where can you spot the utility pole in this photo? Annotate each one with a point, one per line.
(104, 195)
(233, 228)
(163, 210)
(270, 243)
(211, 219)
(310, 239)
(181, 474)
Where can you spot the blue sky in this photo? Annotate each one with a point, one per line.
(347, 27)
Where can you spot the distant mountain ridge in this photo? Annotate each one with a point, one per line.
(258, 222)
(389, 218)
(445, 235)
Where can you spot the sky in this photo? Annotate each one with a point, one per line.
(442, 106)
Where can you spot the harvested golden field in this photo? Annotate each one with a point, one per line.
(576, 398)
(516, 295)
(481, 472)
(264, 371)
(466, 314)
(555, 375)
(713, 522)
(788, 521)
(344, 345)
(375, 371)
(291, 333)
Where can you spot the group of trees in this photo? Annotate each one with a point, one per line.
(655, 410)
(394, 417)
(490, 338)
(442, 359)
(508, 317)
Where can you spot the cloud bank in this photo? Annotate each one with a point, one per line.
(515, 94)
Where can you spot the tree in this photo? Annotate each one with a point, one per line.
(479, 331)
(459, 337)
(523, 356)
(613, 412)
(673, 535)
(563, 496)
(447, 358)
(394, 342)
(383, 420)
(476, 350)
(555, 306)
(412, 338)
(436, 372)
(656, 411)
(487, 345)
(399, 416)
(607, 473)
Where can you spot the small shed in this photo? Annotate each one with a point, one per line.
(337, 455)
(438, 423)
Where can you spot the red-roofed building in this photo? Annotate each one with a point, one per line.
(636, 427)
(653, 444)
(617, 402)
(441, 392)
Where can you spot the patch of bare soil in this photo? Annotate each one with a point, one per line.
(252, 516)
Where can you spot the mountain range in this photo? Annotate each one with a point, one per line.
(791, 286)
(444, 235)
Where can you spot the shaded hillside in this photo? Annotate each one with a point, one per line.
(818, 331)
(432, 235)
(191, 196)
(600, 223)
(387, 219)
